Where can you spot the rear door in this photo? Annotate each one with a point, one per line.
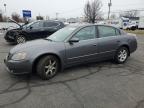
(108, 41)
(85, 49)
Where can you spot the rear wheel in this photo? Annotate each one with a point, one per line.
(47, 67)
(20, 39)
(121, 55)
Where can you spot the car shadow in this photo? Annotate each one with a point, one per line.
(71, 73)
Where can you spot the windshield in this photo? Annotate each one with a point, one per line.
(27, 25)
(61, 34)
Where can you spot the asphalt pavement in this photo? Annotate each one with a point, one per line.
(95, 85)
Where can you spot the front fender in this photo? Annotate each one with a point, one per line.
(36, 55)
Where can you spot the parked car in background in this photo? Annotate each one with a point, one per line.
(31, 31)
(121, 22)
(70, 46)
(133, 25)
(141, 23)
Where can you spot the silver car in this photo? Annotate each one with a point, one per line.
(70, 46)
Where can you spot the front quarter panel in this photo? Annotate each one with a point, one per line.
(57, 49)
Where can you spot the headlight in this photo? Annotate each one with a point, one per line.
(19, 56)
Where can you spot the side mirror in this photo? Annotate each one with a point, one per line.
(30, 27)
(74, 40)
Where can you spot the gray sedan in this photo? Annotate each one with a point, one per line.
(70, 46)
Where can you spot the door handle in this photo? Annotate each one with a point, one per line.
(94, 45)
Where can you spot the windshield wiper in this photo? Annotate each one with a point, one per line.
(48, 39)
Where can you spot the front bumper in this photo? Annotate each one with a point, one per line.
(9, 37)
(18, 67)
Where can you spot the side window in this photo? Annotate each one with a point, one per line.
(36, 25)
(105, 31)
(86, 33)
(50, 24)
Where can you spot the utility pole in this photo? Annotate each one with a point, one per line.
(109, 5)
(57, 15)
(5, 7)
(6, 12)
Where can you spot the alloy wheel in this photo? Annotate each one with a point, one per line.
(50, 68)
(122, 56)
(21, 39)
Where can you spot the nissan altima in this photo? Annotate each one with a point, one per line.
(70, 46)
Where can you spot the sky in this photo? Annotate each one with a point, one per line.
(64, 8)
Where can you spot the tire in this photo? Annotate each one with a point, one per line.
(20, 39)
(121, 55)
(47, 67)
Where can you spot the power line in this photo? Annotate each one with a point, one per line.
(128, 10)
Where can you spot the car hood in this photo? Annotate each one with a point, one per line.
(40, 44)
(15, 22)
(13, 29)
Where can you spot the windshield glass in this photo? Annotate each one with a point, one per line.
(27, 25)
(61, 34)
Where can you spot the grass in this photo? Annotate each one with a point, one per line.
(137, 32)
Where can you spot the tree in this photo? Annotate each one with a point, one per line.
(39, 17)
(16, 17)
(1, 17)
(131, 13)
(92, 10)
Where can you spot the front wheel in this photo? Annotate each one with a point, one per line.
(20, 39)
(47, 67)
(121, 55)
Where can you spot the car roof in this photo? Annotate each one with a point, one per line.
(47, 21)
(88, 24)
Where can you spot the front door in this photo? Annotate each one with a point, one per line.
(85, 49)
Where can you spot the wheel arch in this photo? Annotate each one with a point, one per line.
(127, 46)
(34, 63)
(23, 33)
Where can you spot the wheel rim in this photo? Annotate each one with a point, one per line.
(21, 39)
(122, 55)
(50, 67)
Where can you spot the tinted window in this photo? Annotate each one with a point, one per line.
(50, 24)
(86, 33)
(105, 31)
(36, 25)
